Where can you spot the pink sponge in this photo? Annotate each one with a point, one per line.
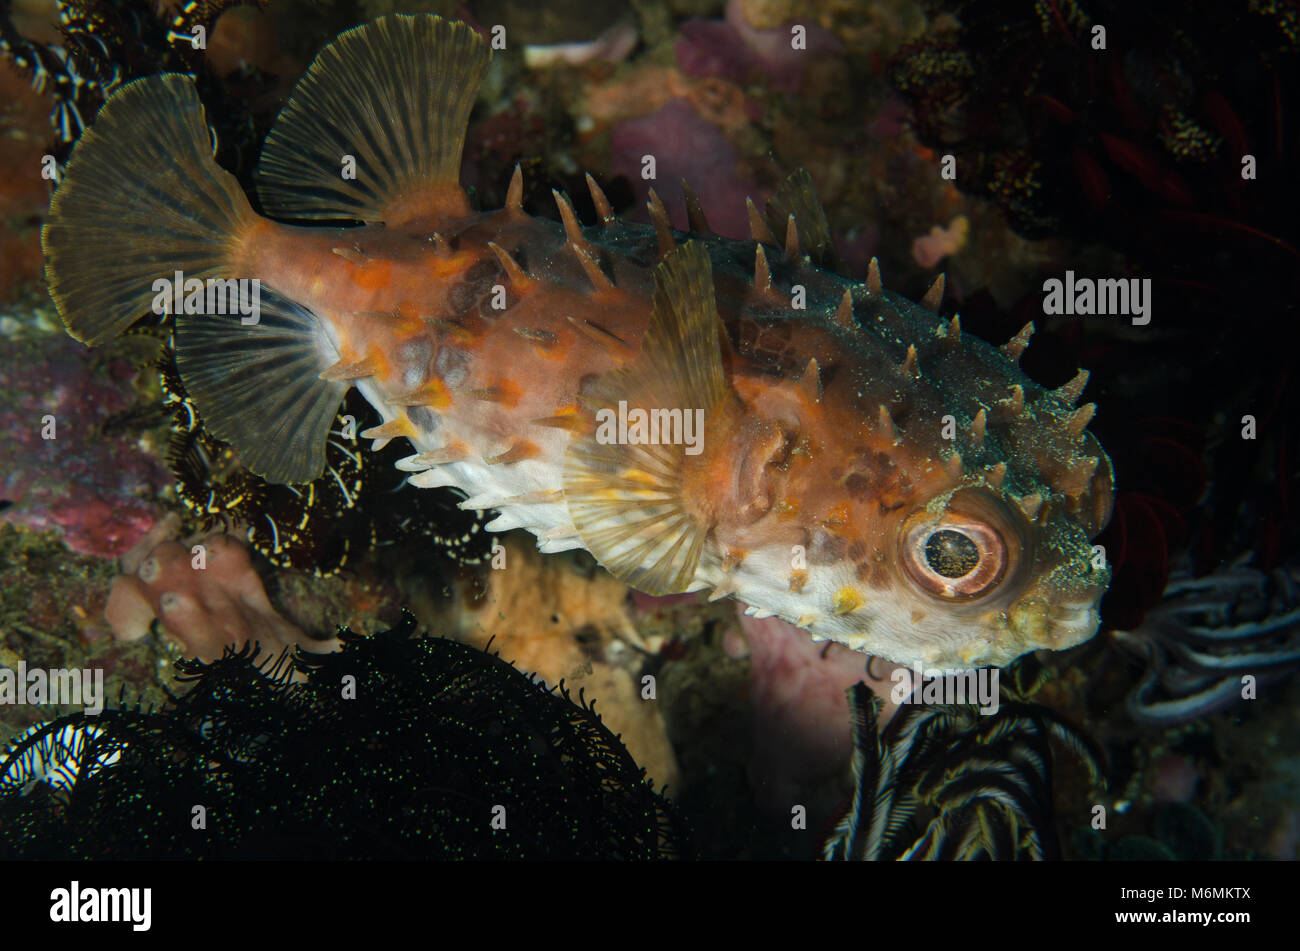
(683, 145)
(205, 602)
(734, 50)
(801, 711)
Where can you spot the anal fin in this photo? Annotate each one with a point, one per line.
(626, 498)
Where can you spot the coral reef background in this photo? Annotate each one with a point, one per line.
(1124, 162)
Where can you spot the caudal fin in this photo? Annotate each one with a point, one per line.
(141, 199)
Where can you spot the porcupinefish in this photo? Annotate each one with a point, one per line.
(696, 412)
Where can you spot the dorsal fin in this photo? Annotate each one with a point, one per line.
(395, 95)
(625, 497)
(260, 387)
(797, 197)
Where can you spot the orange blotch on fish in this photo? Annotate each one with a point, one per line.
(519, 450)
(837, 517)
(505, 392)
(373, 274)
(433, 394)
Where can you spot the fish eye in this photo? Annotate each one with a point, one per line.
(951, 553)
(956, 558)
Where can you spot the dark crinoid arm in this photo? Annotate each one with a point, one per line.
(942, 782)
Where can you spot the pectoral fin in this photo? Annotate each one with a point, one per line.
(626, 499)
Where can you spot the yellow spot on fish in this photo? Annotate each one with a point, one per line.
(641, 477)
(846, 599)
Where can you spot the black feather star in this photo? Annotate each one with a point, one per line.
(105, 43)
(397, 746)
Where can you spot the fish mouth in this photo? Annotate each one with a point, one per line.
(1035, 623)
(1075, 621)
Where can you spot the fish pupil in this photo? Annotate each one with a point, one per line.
(951, 553)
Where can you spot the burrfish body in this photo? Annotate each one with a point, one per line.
(696, 412)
